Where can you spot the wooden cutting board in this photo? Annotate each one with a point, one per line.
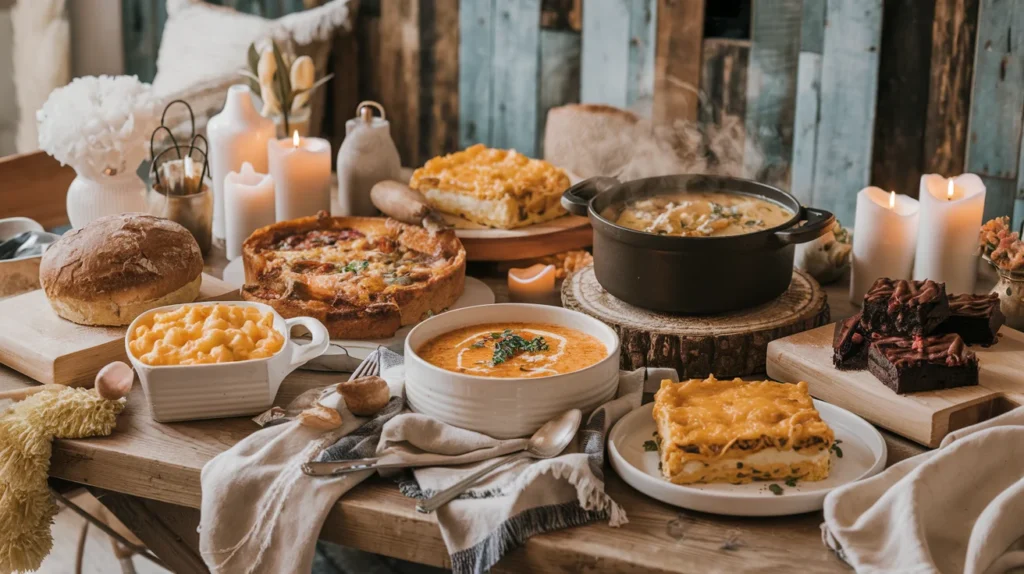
(922, 417)
(563, 234)
(725, 345)
(38, 343)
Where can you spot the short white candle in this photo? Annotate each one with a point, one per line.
(884, 238)
(951, 212)
(301, 168)
(248, 206)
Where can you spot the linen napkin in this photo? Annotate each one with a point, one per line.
(959, 508)
(259, 512)
(515, 502)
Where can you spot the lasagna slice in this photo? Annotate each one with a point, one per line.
(738, 431)
(493, 187)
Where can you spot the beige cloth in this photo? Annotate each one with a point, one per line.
(959, 508)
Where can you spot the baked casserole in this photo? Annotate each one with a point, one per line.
(493, 187)
(738, 431)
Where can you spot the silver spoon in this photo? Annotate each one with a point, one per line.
(549, 441)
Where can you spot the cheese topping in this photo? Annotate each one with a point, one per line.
(705, 419)
(488, 173)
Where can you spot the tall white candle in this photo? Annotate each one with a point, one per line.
(248, 206)
(884, 238)
(237, 135)
(301, 168)
(951, 212)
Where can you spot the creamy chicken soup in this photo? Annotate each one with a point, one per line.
(699, 214)
(512, 350)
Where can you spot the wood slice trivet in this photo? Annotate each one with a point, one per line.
(725, 345)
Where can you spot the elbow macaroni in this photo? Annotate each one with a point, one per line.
(204, 334)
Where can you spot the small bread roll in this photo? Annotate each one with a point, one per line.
(365, 396)
(320, 417)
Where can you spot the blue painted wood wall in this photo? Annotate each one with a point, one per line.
(811, 85)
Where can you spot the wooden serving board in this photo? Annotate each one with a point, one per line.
(922, 417)
(563, 234)
(38, 343)
(725, 345)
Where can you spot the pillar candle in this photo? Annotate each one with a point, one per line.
(248, 206)
(884, 238)
(951, 212)
(301, 168)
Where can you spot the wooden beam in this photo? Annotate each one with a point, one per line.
(516, 76)
(476, 52)
(399, 69)
(997, 98)
(808, 101)
(849, 85)
(954, 33)
(898, 158)
(36, 186)
(677, 59)
(723, 80)
(439, 67)
(771, 90)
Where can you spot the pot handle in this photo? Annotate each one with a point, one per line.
(576, 199)
(817, 222)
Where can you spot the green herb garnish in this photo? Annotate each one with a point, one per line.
(835, 448)
(355, 266)
(650, 446)
(776, 489)
(510, 345)
(478, 344)
(791, 481)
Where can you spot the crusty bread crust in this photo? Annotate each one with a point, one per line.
(118, 265)
(403, 306)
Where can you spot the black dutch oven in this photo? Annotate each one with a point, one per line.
(692, 275)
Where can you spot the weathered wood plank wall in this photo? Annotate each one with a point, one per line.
(997, 101)
(832, 94)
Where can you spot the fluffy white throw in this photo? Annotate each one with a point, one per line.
(959, 508)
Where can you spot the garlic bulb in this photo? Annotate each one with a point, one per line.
(302, 75)
(266, 69)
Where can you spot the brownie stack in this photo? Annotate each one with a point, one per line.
(913, 337)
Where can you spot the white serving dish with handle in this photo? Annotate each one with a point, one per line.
(193, 392)
(513, 407)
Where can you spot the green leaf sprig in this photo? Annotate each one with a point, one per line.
(507, 345)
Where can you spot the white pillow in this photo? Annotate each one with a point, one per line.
(204, 44)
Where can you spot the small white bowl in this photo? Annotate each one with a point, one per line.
(193, 392)
(507, 408)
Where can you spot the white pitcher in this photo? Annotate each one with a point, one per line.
(367, 156)
(238, 134)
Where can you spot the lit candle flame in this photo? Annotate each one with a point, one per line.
(949, 190)
(295, 138)
(892, 199)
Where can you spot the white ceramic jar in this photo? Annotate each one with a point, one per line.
(514, 407)
(367, 156)
(238, 134)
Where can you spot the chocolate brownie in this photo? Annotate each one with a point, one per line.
(923, 364)
(901, 307)
(976, 318)
(850, 345)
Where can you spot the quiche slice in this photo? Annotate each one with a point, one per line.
(738, 431)
(493, 187)
(362, 277)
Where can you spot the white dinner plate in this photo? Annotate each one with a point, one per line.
(864, 455)
(344, 355)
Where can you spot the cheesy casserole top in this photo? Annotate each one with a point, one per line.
(486, 173)
(706, 419)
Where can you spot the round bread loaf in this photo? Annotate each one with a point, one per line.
(120, 266)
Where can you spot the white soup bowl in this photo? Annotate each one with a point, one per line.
(512, 407)
(193, 392)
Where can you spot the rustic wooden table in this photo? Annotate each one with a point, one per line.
(147, 473)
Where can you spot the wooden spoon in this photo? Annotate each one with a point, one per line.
(397, 200)
(114, 380)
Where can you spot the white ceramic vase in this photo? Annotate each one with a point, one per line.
(94, 195)
(238, 134)
(367, 156)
